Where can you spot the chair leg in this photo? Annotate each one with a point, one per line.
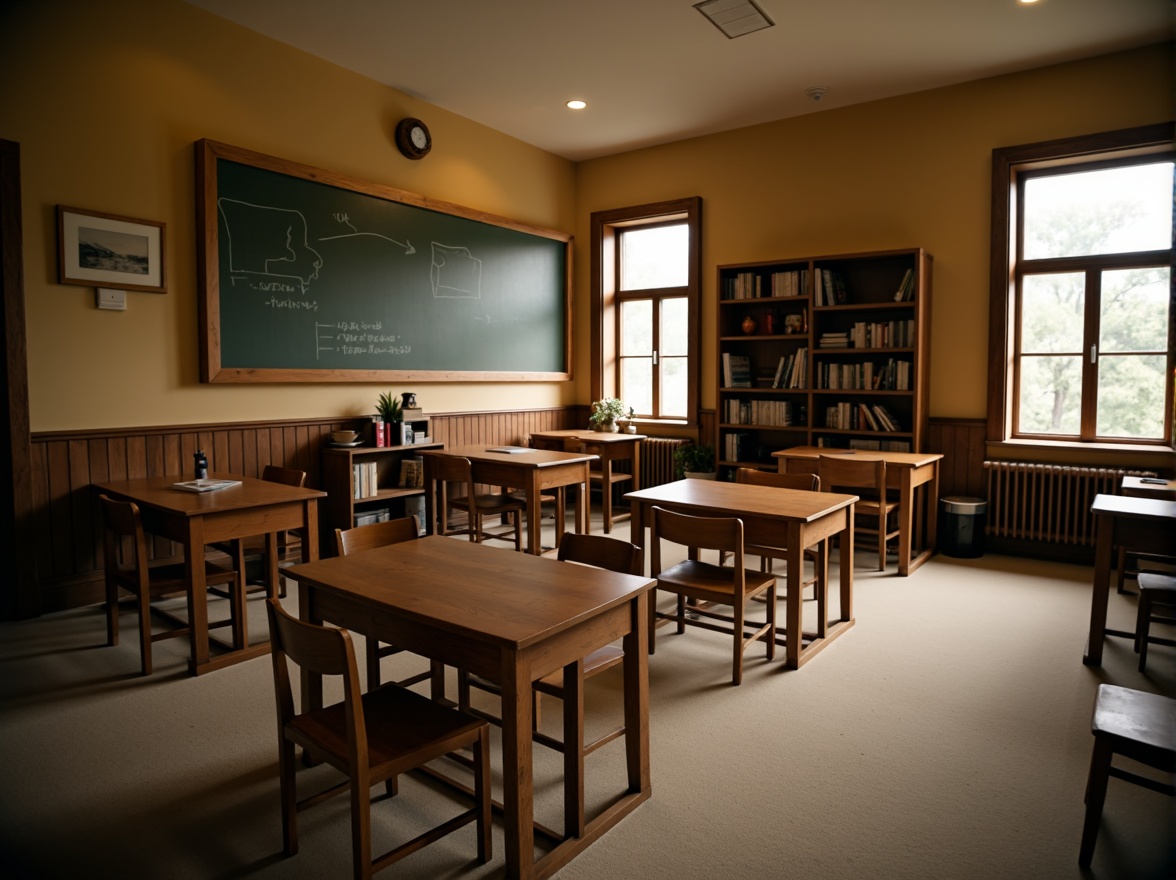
(372, 654)
(145, 630)
(1143, 627)
(289, 797)
(1096, 793)
(361, 825)
(111, 613)
(482, 797)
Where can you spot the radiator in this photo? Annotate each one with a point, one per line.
(657, 460)
(1047, 502)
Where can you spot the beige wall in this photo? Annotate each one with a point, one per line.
(913, 171)
(106, 100)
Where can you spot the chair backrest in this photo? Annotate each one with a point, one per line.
(271, 473)
(695, 532)
(756, 477)
(320, 649)
(122, 520)
(846, 470)
(453, 469)
(600, 551)
(380, 534)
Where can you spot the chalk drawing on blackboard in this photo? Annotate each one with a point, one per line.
(263, 240)
(319, 347)
(355, 233)
(455, 273)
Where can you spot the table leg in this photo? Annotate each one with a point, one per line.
(636, 685)
(906, 519)
(197, 595)
(1104, 550)
(794, 601)
(534, 516)
(517, 772)
(573, 730)
(845, 560)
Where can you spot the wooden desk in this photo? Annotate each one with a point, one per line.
(786, 518)
(1136, 525)
(511, 618)
(609, 447)
(193, 520)
(1138, 487)
(533, 470)
(906, 472)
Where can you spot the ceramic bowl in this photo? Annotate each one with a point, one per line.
(344, 436)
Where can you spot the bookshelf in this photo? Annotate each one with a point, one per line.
(818, 351)
(344, 481)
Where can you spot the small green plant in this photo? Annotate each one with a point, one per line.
(694, 458)
(607, 410)
(388, 407)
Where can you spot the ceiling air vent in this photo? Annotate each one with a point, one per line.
(734, 18)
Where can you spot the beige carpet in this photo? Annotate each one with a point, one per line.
(945, 736)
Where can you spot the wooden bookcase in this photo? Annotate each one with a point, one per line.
(341, 507)
(797, 308)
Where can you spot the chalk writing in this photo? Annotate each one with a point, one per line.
(306, 305)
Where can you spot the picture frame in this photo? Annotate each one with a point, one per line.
(95, 249)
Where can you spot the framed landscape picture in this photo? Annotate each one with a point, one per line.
(106, 250)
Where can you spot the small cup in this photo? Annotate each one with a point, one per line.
(344, 436)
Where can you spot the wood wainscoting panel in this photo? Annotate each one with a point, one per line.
(67, 526)
(962, 443)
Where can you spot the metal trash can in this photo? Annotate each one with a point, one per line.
(961, 529)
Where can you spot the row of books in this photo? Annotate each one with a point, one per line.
(778, 413)
(860, 417)
(906, 289)
(792, 370)
(828, 288)
(894, 375)
(739, 446)
(871, 334)
(736, 370)
(412, 473)
(750, 285)
(365, 480)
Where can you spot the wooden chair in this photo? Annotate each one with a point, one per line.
(248, 553)
(612, 554)
(371, 738)
(1154, 589)
(147, 582)
(714, 584)
(845, 471)
(369, 537)
(452, 470)
(1139, 726)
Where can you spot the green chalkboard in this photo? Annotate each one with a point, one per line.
(309, 276)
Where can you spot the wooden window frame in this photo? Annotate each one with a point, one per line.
(606, 294)
(1010, 166)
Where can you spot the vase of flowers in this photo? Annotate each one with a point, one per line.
(605, 413)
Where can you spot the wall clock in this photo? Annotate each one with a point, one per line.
(413, 138)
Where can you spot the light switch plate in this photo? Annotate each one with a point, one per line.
(112, 299)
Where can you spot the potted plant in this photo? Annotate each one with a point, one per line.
(695, 460)
(606, 412)
(388, 408)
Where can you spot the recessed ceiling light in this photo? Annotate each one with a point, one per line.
(576, 105)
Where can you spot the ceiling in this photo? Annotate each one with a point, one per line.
(655, 71)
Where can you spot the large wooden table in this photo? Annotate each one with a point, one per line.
(610, 447)
(511, 618)
(193, 520)
(1134, 525)
(787, 518)
(906, 472)
(533, 470)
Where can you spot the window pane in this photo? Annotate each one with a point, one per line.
(673, 387)
(675, 320)
(1115, 210)
(1050, 395)
(1134, 311)
(1052, 312)
(1131, 396)
(655, 257)
(637, 327)
(637, 384)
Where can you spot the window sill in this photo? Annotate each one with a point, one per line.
(1065, 452)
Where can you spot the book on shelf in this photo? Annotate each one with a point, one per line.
(413, 414)
(834, 340)
(365, 479)
(740, 371)
(412, 473)
(906, 288)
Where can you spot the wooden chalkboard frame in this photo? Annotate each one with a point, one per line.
(209, 282)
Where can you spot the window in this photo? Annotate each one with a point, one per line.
(645, 278)
(1083, 312)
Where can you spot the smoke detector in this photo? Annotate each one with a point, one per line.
(816, 92)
